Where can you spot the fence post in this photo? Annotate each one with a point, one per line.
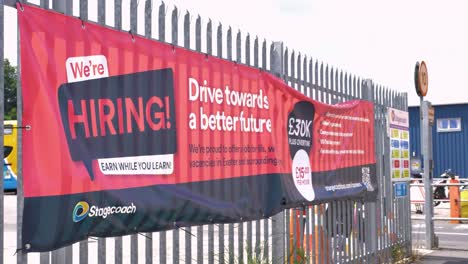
(368, 94)
(62, 255)
(278, 226)
(21, 256)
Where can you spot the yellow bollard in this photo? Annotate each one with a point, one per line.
(464, 203)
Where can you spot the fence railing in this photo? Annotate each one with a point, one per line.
(338, 231)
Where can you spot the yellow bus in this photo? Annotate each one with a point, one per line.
(10, 158)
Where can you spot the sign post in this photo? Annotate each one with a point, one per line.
(427, 121)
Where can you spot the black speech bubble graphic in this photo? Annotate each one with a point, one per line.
(119, 116)
(300, 127)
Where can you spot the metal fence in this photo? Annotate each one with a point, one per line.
(336, 232)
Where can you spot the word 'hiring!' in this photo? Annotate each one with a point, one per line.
(105, 116)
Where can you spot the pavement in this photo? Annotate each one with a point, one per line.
(453, 240)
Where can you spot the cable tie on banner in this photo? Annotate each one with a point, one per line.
(27, 127)
(186, 231)
(82, 23)
(141, 234)
(131, 34)
(173, 49)
(206, 56)
(26, 247)
(21, 8)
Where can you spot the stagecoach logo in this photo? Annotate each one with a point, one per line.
(82, 210)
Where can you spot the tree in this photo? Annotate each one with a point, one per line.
(10, 89)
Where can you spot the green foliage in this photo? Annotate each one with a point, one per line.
(10, 90)
(301, 256)
(398, 252)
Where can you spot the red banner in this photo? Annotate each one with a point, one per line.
(125, 129)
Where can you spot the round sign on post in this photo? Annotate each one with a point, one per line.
(421, 80)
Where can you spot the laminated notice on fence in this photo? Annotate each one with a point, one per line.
(398, 125)
(132, 135)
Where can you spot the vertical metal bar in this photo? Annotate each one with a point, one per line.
(84, 9)
(199, 228)
(162, 22)
(266, 250)
(340, 228)
(175, 41)
(388, 183)
(351, 239)
(83, 245)
(327, 86)
(63, 6)
(229, 44)
(118, 14)
(22, 258)
(199, 244)
(209, 38)
(209, 50)
(198, 34)
(278, 227)
(62, 255)
(295, 218)
(286, 68)
(102, 12)
(249, 223)
(247, 49)
(240, 242)
(238, 48)
(219, 41)
(300, 220)
(44, 4)
(148, 18)
(293, 71)
(118, 255)
(264, 55)
(322, 87)
(221, 243)
(133, 29)
(101, 257)
(335, 222)
(175, 26)
(231, 244)
(288, 236)
(134, 249)
(187, 30)
(83, 251)
(162, 247)
(148, 249)
(175, 246)
(328, 246)
(307, 78)
(256, 51)
(2, 115)
(44, 258)
(311, 228)
(299, 76)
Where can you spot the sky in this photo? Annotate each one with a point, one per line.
(372, 39)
